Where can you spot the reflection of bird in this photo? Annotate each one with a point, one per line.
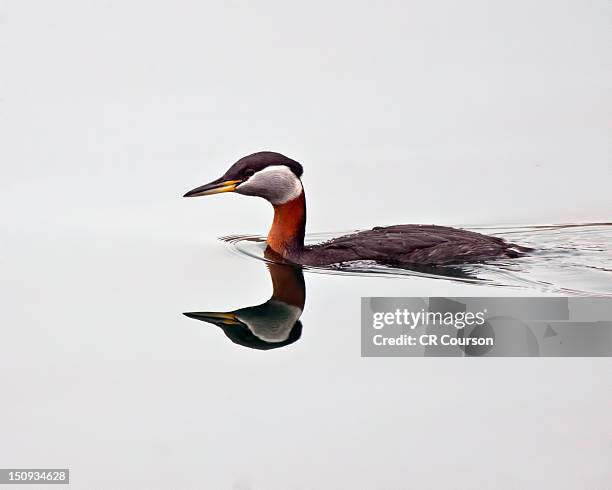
(276, 178)
(272, 324)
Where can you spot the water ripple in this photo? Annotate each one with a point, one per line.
(571, 259)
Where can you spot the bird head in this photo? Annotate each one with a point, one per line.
(266, 174)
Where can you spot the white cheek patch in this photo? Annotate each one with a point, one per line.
(275, 183)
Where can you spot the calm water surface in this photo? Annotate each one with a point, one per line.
(101, 372)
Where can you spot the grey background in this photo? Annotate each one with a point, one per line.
(448, 112)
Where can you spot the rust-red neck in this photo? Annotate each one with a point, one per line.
(287, 232)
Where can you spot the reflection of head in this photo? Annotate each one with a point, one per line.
(272, 324)
(241, 335)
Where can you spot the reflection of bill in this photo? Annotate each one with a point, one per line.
(272, 324)
(514, 327)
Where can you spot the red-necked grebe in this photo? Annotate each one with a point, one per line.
(276, 178)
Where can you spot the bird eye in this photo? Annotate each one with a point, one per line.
(248, 172)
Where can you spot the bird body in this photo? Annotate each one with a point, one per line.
(277, 179)
(427, 245)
